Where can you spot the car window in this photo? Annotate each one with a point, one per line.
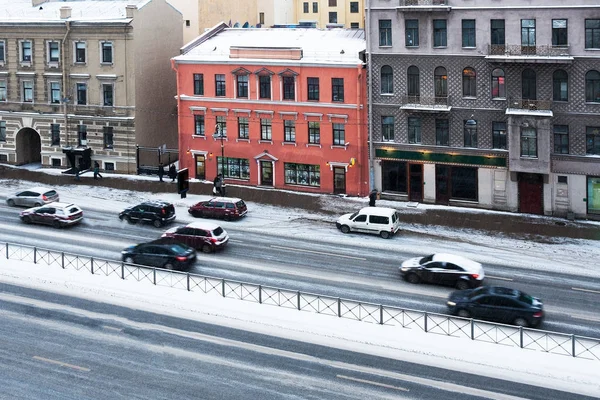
(230, 206)
(426, 259)
(240, 204)
(46, 210)
(74, 210)
(434, 265)
(50, 193)
(477, 292)
(200, 232)
(353, 215)
(161, 251)
(378, 219)
(138, 208)
(361, 218)
(177, 248)
(525, 298)
(454, 267)
(26, 194)
(169, 209)
(218, 204)
(506, 302)
(186, 231)
(218, 231)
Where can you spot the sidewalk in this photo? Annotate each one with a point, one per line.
(521, 226)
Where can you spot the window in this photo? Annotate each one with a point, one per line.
(354, 25)
(440, 35)
(56, 162)
(562, 179)
(26, 51)
(559, 32)
(305, 7)
(470, 133)
(302, 174)
(2, 52)
(289, 130)
(221, 125)
(440, 79)
(468, 33)
(199, 125)
(499, 135)
(55, 134)
(463, 182)
(528, 142)
(528, 89)
(2, 131)
(498, 88)
(592, 33)
(265, 129)
(385, 32)
(411, 32)
(394, 176)
(55, 92)
(387, 128)
(108, 137)
(314, 132)
(28, 91)
(528, 33)
(332, 3)
(414, 130)
(107, 52)
(560, 85)
(339, 134)
(289, 88)
(261, 18)
(187, 23)
(592, 140)
(82, 93)
(413, 85)
(469, 82)
(82, 135)
(333, 17)
(497, 31)
(592, 86)
(243, 128)
(219, 85)
(108, 166)
(107, 94)
(53, 52)
(242, 86)
(3, 92)
(238, 168)
(387, 80)
(337, 89)
(353, 7)
(264, 86)
(199, 84)
(442, 137)
(315, 7)
(561, 139)
(79, 52)
(313, 88)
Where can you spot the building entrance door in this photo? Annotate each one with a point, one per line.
(339, 180)
(415, 190)
(442, 184)
(200, 167)
(531, 194)
(266, 173)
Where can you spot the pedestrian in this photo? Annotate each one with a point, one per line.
(161, 172)
(172, 172)
(372, 197)
(97, 170)
(218, 185)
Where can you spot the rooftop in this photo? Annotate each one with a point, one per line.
(98, 10)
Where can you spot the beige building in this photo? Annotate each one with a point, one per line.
(342, 13)
(84, 81)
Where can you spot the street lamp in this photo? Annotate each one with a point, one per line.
(220, 135)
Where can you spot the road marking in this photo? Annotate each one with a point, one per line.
(372, 383)
(112, 328)
(498, 277)
(62, 364)
(586, 290)
(318, 252)
(585, 318)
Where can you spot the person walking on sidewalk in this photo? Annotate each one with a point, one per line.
(372, 197)
(97, 170)
(218, 185)
(161, 172)
(172, 172)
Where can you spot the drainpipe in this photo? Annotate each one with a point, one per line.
(370, 98)
(64, 78)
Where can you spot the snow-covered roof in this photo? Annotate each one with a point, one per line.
(316, 45)
(12, 11)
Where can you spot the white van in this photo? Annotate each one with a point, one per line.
(382, 221)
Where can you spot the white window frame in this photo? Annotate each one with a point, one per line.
(102, 85)
(4, 92)
(112, 52)
(2, 52)
(50, 92)
(22, 56)
(51, 63)
(23, 98)
(75, 52)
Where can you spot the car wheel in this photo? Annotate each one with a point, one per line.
(157, 223)
(27, 219)
(413, 278)
(206, 248)
(520, 321)
(56, 224)
(385, 234)
(129, 260)
(128, 219)
(345, 229)
(38, 204)
(168, 266)
(462, 284)
(11, 202)
(463, 314)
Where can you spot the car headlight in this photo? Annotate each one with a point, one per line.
(404, 269)
(451, 303)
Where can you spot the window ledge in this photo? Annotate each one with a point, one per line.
(242, 140)
(387, 94)
(389, 46)
(498, 98)
(199, 137)
(339, 146)
(25, 63)
(313, 145)
(289, 143)
(265, 141)
(470, 97)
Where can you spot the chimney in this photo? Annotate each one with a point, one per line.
(35, 3)
(65, 12)
(129, 10)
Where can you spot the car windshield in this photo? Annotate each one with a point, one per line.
(218, 231)
(354, 215)
(525, 298)
(50, 193)
(426, 259)
(477, 292)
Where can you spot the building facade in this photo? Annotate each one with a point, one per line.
(280, 108)
(487, 104)
(342, 13)
(78, 84)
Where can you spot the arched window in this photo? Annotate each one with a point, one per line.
(413, 81)
(498, 88)
(469, 82)
(440, 82)
(592, 86)
(387, 80)
(560, 86)
(528, 84)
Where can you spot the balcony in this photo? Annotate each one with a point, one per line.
(516, 53)
(527, 107)
(426, 104)
(423, 5)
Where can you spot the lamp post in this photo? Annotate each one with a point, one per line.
(220, 135)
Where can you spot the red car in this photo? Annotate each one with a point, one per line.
(227, 208)
(56, 214)
(205, 236)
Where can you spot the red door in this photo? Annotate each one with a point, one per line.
(531, 192)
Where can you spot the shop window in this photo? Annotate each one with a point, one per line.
(463, 183)
(394, 176)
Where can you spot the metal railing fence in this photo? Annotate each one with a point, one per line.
(508, 335)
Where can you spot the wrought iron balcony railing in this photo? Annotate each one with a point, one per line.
(519, 50)
(426, 101)
(531, 105)
(408, 3)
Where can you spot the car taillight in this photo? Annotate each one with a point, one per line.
(538, 314)
(163, 211)
(44, 197)
(213, 240)
(181, 258)
(475, 276)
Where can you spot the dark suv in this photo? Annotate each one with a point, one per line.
(227, 208)
(158, 213)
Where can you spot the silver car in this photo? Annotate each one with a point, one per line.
(34, 197)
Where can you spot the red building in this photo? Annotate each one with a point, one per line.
(284, 108)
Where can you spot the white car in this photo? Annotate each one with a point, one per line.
(443, 269)
(381, 221)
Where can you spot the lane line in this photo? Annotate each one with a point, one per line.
(62, 364)
(585, 318)
(586, 290)
(112, 328)
(498, 277)
(317, 252)
(372, 383)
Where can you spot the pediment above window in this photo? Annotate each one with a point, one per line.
(264, 72)
(240, 71)
(288, 72)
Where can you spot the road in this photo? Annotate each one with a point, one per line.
(282, 255)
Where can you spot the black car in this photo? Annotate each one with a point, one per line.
(161, 253)
(498, 304)
(157, 213)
